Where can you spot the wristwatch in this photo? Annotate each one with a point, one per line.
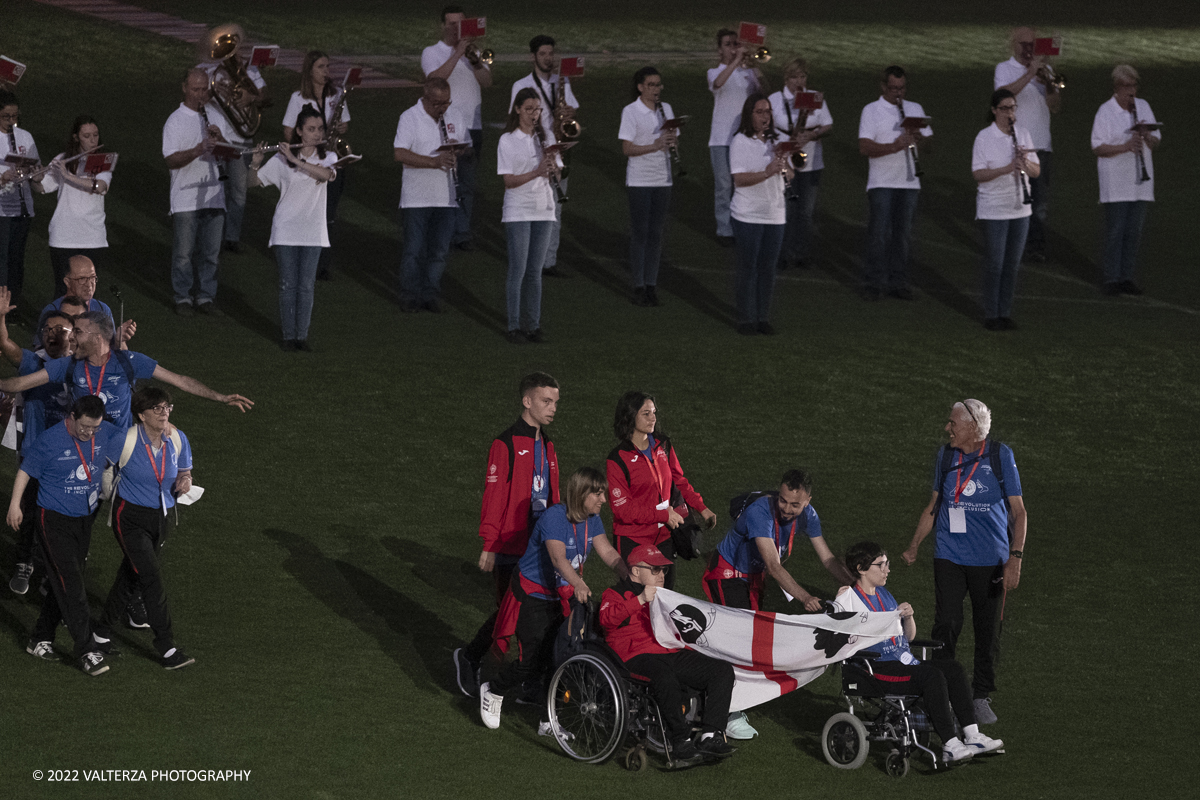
(1016, 553)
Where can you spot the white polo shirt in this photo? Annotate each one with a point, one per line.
(728, 102)
(763, 203)
(300, 213)
(544, 94)
(465, 94)
(784, 101)
(194, 186)
(298, 102)
(10, 194)
(642, 125)
(1032, 111)
(516, 154)
(1002, 197)
(880, 122)
(78, 220)
(1120, 177)
(428, 187)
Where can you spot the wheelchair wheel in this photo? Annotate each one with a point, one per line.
(844, 741)
(896, 765)
(635, 760)
(587, 708)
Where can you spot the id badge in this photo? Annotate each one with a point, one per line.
(958, 519)
(660, 507)
(539, 505)
(92, 498)
(539, 483)
(908, 659)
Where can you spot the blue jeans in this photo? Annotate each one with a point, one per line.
(468, 172)
(889, 236)
(722, 188)
(757, 254)
(1003, 245)
(427, 233)
(801, 203)
(297, 280)
(238, 171)
(194, 253)
(333, 194)
(1039, 192)
(1122, 237)
(647, 220)
(556, 231)
(527, 243)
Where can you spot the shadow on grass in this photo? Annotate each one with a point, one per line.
(444, 574)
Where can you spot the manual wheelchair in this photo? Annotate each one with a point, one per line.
(898, 719)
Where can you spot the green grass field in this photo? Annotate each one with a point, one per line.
(329, 572)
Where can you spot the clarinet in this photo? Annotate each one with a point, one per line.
(222, 170)
(1141, 159)
(673, 158)
(772, 137)
(912, 148)
(1022, 178)
(454, 167)
(559, 195)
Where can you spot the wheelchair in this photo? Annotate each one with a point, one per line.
(898, 719)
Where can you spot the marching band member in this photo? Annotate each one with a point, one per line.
(806, 128)
(1125, 161)
(648, 180)
(298, 232)
(429, 193)
(318, 91)
(16, 199)
(893, 184)
(1003, 162)
(760, 179)
(77, 227)
(529, 212)
(447, 60)
(548, 85)
(1038, 99)
(731, 83)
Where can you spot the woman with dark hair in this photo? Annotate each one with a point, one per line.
(643, 470)
(760, 179)
(1002, 163)
(648, 180)
(155, 468)
(317, 91)
(77, 227)
(941, 683)
(298, 231)
(547, 577)
(529, 213)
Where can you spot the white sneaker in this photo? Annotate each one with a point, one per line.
(982, 743)
(739, 727)
(546, 729)
(955, 750)
(983, 711)
(489, 706)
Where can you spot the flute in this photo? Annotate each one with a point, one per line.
(1022, 178)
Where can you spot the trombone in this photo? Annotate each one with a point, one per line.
(477, 57)
(756, 57)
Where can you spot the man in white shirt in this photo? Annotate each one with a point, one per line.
(731, 83)
(892, 186)
(546, 83)
(197, 196)
(428, 194)
(446, 60)
(16, 200)
(1124, 161)
(1036, 101)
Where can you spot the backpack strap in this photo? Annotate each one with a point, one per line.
(126, 363)
(947, 463)
(131, 437)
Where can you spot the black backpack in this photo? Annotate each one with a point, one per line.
(947, 465)
(739, 504)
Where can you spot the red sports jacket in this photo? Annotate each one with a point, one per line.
(626, 622)
(504, 520)
(636, 486)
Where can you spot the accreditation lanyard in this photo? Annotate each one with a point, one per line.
(100, 382)
(866, 598)
(791, 537)
(584, 551)
(160, 470)
(539, 444)
(959, 483)
(658, 483)
(87, 469)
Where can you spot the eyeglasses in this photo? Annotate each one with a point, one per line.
(83, 279)
(1013, 107)
(85, 430)
(885, 564)
(653, 570)
(10, 117)
(57, 329)
(162, 408)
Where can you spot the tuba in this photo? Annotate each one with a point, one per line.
(230, 85)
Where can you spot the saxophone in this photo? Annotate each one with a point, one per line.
(335, 141)
(565, 129)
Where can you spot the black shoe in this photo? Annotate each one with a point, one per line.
(640, 297)
(233, 247)
(652, 296)
(1129, 287)
(104, 646)
(288, 345)
(19, 583)
(1110, 289)
(746, 329)
(1007, 324)
(42, 650)
(553, 272)
(303, 346)
(872, 294)
(515, 337)
(324, 275)
(432, 306)
(713, 746)
(465, 246)
(993, 324)
(466, 673)
(536, 337)
(725, 241)
(176, 660)
(902, 293)
(184, 309)
(210, 309)
(93, 663)
(684, 754)
(766, 329)
(136, 618)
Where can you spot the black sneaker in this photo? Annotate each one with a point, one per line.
(93, 663)
(684, 754)
(1129, 287)
(177, 660)
(713, 746)
(20, 579)
(766, 329)
(466, 673)
(652, 296)
(210, 309)
(42, 650)
(104, 646)
(136, 617)
(515, 337)
(536, 336)
(184, 309)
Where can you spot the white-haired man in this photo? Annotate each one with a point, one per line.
(981, 522)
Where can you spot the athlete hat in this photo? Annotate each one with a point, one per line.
(648, 554)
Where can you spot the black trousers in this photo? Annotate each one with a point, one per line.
(141, 533)
(670, 672)
(479, 646)
(942, 686)
(13, 233)
(625, 546)
(65, 541)
(537, 626)
(27, 533)
(985, 585)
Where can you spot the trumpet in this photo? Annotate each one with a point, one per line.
(1051, 79)
(760, 55)
(477, 57)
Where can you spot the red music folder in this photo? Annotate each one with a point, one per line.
(1049, 46)
(264, 55)
(752, 33)
(95, 163)
(472, 28)
(353, 78)
(571, 67)
(10, 70)
(808, 101)
(226, 152)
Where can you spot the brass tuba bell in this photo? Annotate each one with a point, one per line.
(230, 84)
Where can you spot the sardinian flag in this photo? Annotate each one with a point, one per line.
(772, 654)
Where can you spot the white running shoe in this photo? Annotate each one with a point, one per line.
(955, 750)
(739, 727)
(983, 711)
(546, 729)
(489, 706)
(982, 743)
